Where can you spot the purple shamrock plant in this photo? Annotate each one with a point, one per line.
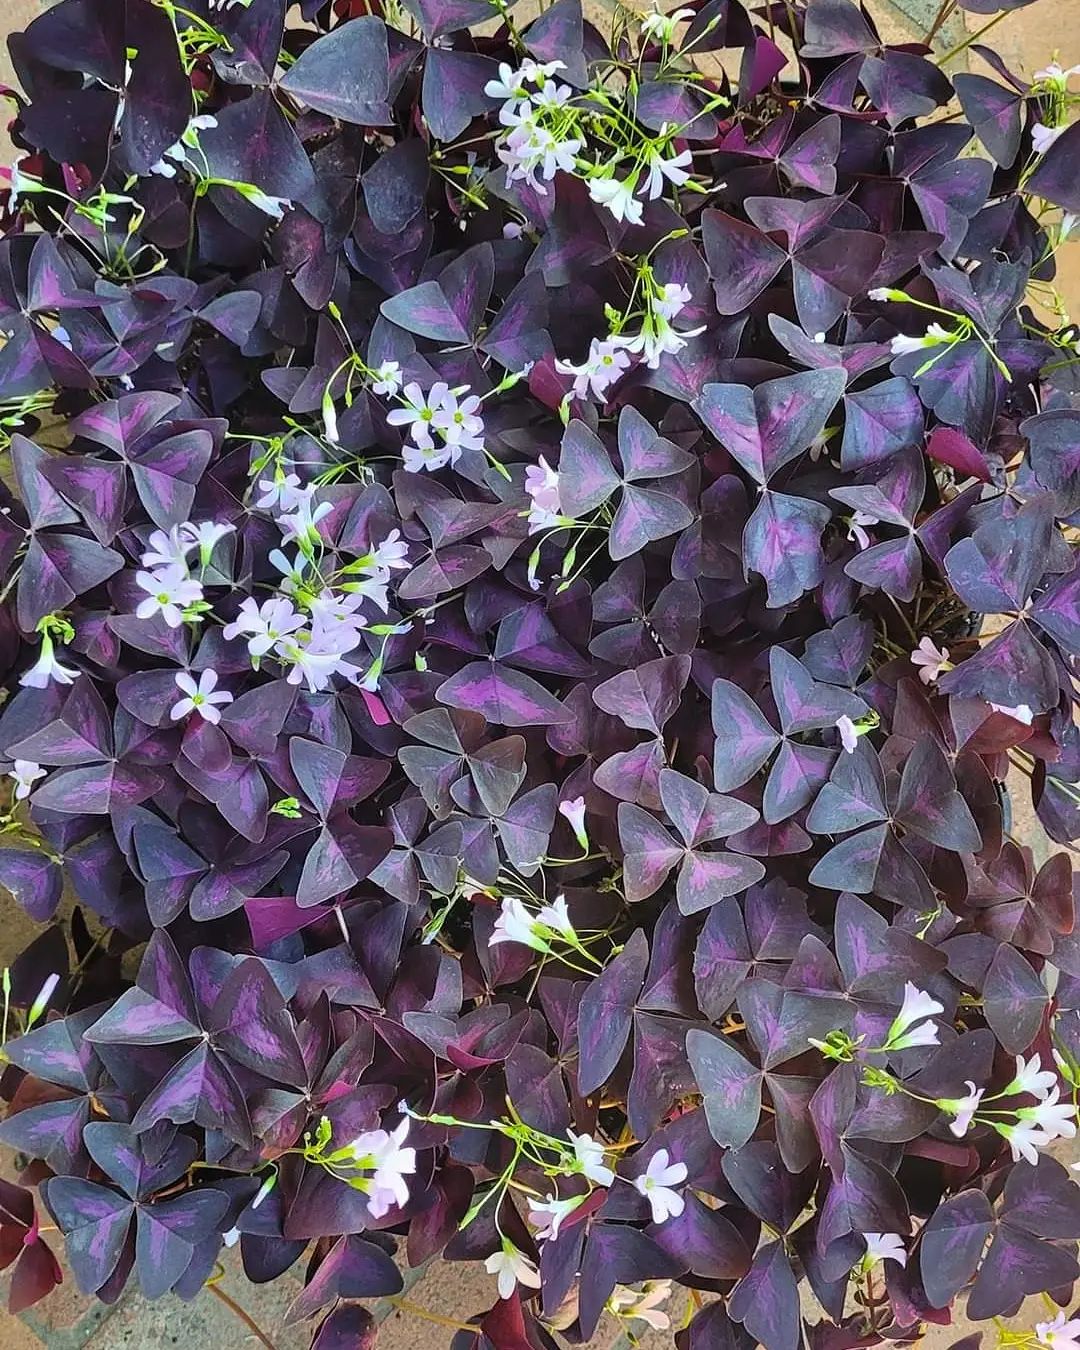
(528, 560)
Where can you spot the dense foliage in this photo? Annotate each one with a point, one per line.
(529, 554)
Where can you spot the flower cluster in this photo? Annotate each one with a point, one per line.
(441, 424)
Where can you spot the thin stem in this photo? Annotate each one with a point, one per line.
(408, 1307)
(973, 37)
(243, 1315)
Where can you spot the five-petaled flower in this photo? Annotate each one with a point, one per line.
(930, 660)
(203, 697)
(1032, 1078)
(381, 1153)
(512, 1268)
(657, 1185)
(885, 1247)
(589, 1159)
(1060, 1333)
(169, 592)
(547, 1216)
(962, 1109)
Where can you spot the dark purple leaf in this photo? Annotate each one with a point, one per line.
(1014, 1000)
(952, 1245)
(506, 697)
(606, 1011)
(766, 1300)
(730, 1087)
(345, 74)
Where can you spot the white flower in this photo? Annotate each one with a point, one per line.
(880, 293)
(656, 339)
(542, 485)
(392, 554)
(512, 1268)
(672, 300)
(373, 588)
(281, 492)
(22, 184)
(1020, 713)
(292, 573)
(618, 196)
(509, 85)
(200, 698)
(310, 662)
(1070, 225)
(264, 1190)
(178, 151)
(47, 668)
(275, 207)
(263, 624)
(167, 550)
(674, 169)
(419, 411)
(552, 95)
(1053, 74)
(206, 535)
(604, 365)
(536, 72)
(1055, 1118)
(417, 458)
(1059, 1334)
(629, 1303)
(1031, 1077)
(44, 994)
(547, 1216)
(1024, 1139)
(930, 661)
(819, 338)
(459, 422)
(555, 155)
(530, 146)
(334, 620)
(516, 924)
(662, 26)
(656, 1184)
(885, 1247)
(1043, 137)
(589, 1159)
(574, 811)
(857, 526)
(556, 917)
(329, 417)
(301, 524)
(916, 1007)
(902, 344)
(849, 734)
(387, 379)
(962, 1108)
(25, 774)
(168, 592)
(381, 1153)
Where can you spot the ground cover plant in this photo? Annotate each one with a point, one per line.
(529, 554)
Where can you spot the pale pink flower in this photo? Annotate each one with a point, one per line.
(203, 697)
